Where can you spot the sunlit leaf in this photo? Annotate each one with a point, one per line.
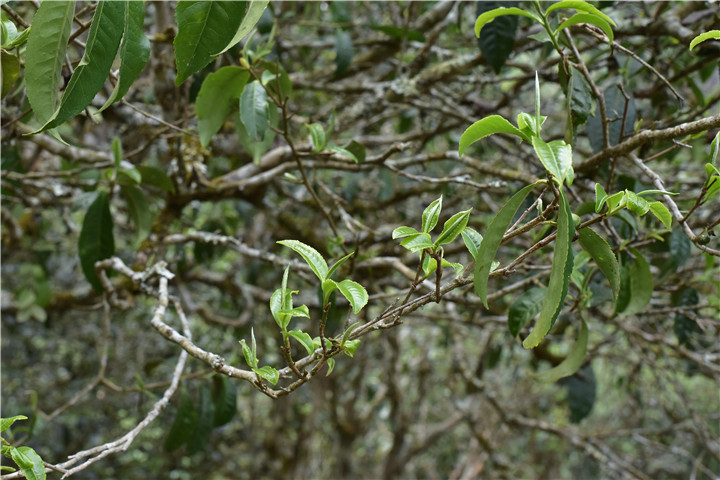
(355, 293)
(712, 34)
(485, 127)
(430, 215)
(311, 256)
(453, 227)
(488, 17)
(587, 18)
(580, 6)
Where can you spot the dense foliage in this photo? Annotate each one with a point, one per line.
(360, 240)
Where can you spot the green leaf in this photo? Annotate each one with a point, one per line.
(10, 71)
(344, 52)
(580, 97)
(45, 56)
(337, 264)
(348, 332)
(89, 76)
(636, 204)
(204, 30)
(29, 462)
(453, 227)
(304, 339)
(493, 238)
(254, 110)
(117, 151)
(485, 127)
(472, 240)
(355, 293)
(343, 151)
(250, 145)
(6, 423)
(280, 301)
(205, 421)
(301, 311)
(497, 40)
(401, 232)
(254, 12)
(317, 135)
(603, 255)
(417, 243)
(218, 93)
(582, 392)
(331, 366)
(350, 347)
(224, 394)
(183, 425)
(556, 157)
(311, 256)
(572, 362)
(96, 241)
(587, 18)
(712, 34)
(139, 209)
(524, 309)
(430, 216)
(156, 177)
(134, 51)
(600, 197)
(328, 286)
(640, 286)
(488, 17)
(662, 213)
(615, 107)
(580, 6)
(560, 272)
(528, 124)
(268, 373)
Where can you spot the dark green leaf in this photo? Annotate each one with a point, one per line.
(183, 425)
(88, 78)
(96, 240)
(344, 52)
(640, 288)
(156, 177)
(524, 309)
(10, 71)
(254, 110)
(603, 255)
(204, 30)
(580, 97)
(224, 394)
(562, 265)
(615, 106)
(139, 209)
(205, 421)
(581, 394)
(497, 40)
(134, 51)
(493, 238)
(337, 264)
(45, 56)
(399, 32)
(216, 99)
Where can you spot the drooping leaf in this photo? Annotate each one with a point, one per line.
(139, 209)
(556, 157)
(254, 110)
(587, 18)
(96, 241)
(603, 255)
(355, 293)
(572, 362)
(497, 40)
(343, 151)
(253, 14)
(224, 395)
(30, 463)
(580, 97)
(485, 127)
(250, 144)
(488, 17)
(430, 216)
(45, 55)
(214, 102)
(311, 256)
(344, 52)
(205, 29)
(205, 421)
(183, 425)
(580, 6)
(524, 309)
(89, 76)
(491, 241)
(6, 423)
(640, 288)
(304, 338)
(662, 213)
(712, 34)
(134, 51)
(560, 272)
(453, 227)
(581, 395)
(10, 71)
